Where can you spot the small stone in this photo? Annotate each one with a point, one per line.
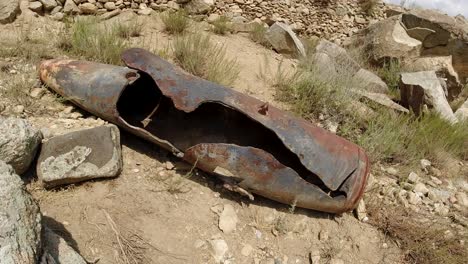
(246, 250)
(228, 219)
(425, 164)
(145, 12)
(19, 109)
(68, 109)
(421, 187)
(436, 180)
(413, 198)
(323, 235)
(219, 249)
(440, 209)
(433, 196)
(49, 4)
(35, 6)
(413, 177)
(385, 245)
(110, 6)
(360, 211)
(75, 115)
(173, 5)
(37, 92)
(56, 10)
(212, 18)
(391, 171)
(462, 199)
(169, 165)
(88, 8)
(436, 172)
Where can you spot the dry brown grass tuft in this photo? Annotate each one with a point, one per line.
(131, 247)
(424, 243)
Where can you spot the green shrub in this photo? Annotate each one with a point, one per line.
(390, 74)
(221, 26)
(198, 55)
(93, 41)
(175, 22)
(129, 29)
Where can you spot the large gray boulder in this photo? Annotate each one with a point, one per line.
(80, 156)
(450, 36)
(284, 40)
(9, 10)
(19, 142)
(57, 251)
(419, 88)
(20, 221)
(386, 40)
(332, 61)
(443, 67)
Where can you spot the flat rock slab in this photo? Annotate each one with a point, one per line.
(57, 250)
(9, 10)
(20, 220)
(80, 156)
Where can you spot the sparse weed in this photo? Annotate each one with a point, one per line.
(258, 35)
(401, 138)
(390, 74)
(198, 55)
(221, 25)
(129, 29)
(94, 42)
(16, 90)
(26, 45)
(175, 22)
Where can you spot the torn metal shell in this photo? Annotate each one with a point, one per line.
(265, 150)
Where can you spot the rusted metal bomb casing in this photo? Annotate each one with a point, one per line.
(262, 149)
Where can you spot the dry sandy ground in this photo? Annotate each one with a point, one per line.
(163, 216)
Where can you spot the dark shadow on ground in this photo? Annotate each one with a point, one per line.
(60, 230)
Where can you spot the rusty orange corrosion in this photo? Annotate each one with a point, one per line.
(262, 149)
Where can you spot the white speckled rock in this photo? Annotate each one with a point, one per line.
(20, 220)
(18, 143)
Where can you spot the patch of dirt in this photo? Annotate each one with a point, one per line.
(150, 214)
